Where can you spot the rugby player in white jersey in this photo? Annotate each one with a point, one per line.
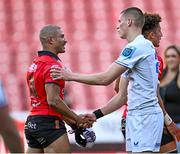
(151, 31)
(139, 62)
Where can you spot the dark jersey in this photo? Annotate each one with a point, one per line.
(37, 76)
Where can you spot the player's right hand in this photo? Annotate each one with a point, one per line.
(84, 122)
(60, 73)
(91, 116)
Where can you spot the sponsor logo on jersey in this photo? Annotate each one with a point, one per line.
(128, 52)
(32, 68)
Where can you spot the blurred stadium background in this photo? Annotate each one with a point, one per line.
(93, 44)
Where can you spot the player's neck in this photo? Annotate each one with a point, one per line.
(133, 34)
(49, 49)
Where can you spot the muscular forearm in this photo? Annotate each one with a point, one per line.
(116, 87)
(116, 102)
(68, 120)
(62, 108)
(92, 79)
(104, 78)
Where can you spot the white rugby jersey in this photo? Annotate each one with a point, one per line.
(139, 56)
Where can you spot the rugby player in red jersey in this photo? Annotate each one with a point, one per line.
(44, 129)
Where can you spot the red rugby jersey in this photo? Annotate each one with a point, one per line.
(161, 65)
(37, 76)
(159, 76)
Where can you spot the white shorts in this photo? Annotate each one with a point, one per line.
(144, 132)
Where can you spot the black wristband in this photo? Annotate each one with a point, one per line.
(98, 113)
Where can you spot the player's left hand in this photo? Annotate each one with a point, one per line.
(174, 130)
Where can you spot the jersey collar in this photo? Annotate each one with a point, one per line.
(140, 36)
(48, 53)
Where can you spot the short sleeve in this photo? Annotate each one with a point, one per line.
(47, 76)
(129, 57)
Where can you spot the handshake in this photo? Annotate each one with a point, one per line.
(87, 120)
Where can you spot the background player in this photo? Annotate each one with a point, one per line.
(8, 128)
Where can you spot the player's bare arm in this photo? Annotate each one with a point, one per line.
(103, 78)
(118, 100)
(114, 103)
(116, 86)
(56, 102)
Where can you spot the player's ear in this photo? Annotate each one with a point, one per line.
(129, 22)
(151, 35)
(51, 40)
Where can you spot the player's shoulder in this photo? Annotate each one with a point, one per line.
(47, 60)
(141, 42)
(143, 45)
(137, 43)
(133, 46)
(53, 64)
